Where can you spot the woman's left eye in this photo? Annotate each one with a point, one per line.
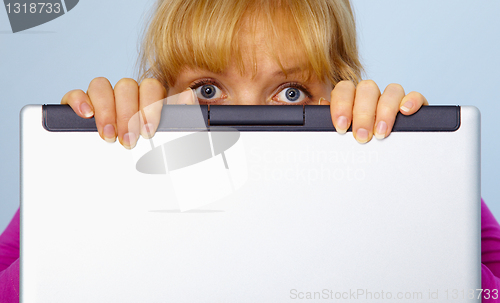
(208, 92)
(291, 95)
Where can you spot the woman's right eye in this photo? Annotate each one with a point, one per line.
(208, 92)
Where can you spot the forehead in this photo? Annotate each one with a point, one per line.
(263, 45)
(246, 37)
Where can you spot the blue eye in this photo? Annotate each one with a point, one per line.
(291, 94)
(208, 91)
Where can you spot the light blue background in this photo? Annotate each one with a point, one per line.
(448, 50)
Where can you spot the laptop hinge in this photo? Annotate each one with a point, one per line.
(255, 115)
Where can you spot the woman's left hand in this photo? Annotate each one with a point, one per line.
(370, 112)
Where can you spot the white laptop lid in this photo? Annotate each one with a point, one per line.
(300, 211)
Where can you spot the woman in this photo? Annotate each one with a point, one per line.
(251, 55)
(248, 52)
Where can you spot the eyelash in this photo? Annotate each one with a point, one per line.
(202, 82)
(297, 85)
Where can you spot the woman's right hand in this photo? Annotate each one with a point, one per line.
(114, 108)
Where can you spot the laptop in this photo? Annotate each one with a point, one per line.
(250, 204)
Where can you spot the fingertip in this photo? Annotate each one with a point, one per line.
(345, 84)
(323, 101)
(148, 131)
(412, 102)
(341, 125)
(129, 140)
(109, 133)
(191, 98)
(78, 100)
(362, 135)
(380, 130)
(407, 107)
(186, 97)
(86, 110)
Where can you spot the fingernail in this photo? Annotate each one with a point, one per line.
(185, 98)
(407, 106)
(109, 133)
(193, 97)
(86, 110)
(321, 100)
(129, 140)
(381, 129)
(362, 135)
(341, 125)
(148, 131)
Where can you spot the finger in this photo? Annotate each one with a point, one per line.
(322, 101)
(187, 97)
(412, 102)
(79, 102)
(387, 109)
(342, 100)
(101, 95)
(127, 112)
(151, 95)
(365, 106)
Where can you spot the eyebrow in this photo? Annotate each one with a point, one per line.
(287, 71)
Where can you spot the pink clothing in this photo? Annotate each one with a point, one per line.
(490, 253)
(490, 258)
(9, 262)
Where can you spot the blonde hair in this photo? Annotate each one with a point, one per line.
(207, 34)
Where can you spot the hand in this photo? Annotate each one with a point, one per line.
(113, 109)
(368, 110)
